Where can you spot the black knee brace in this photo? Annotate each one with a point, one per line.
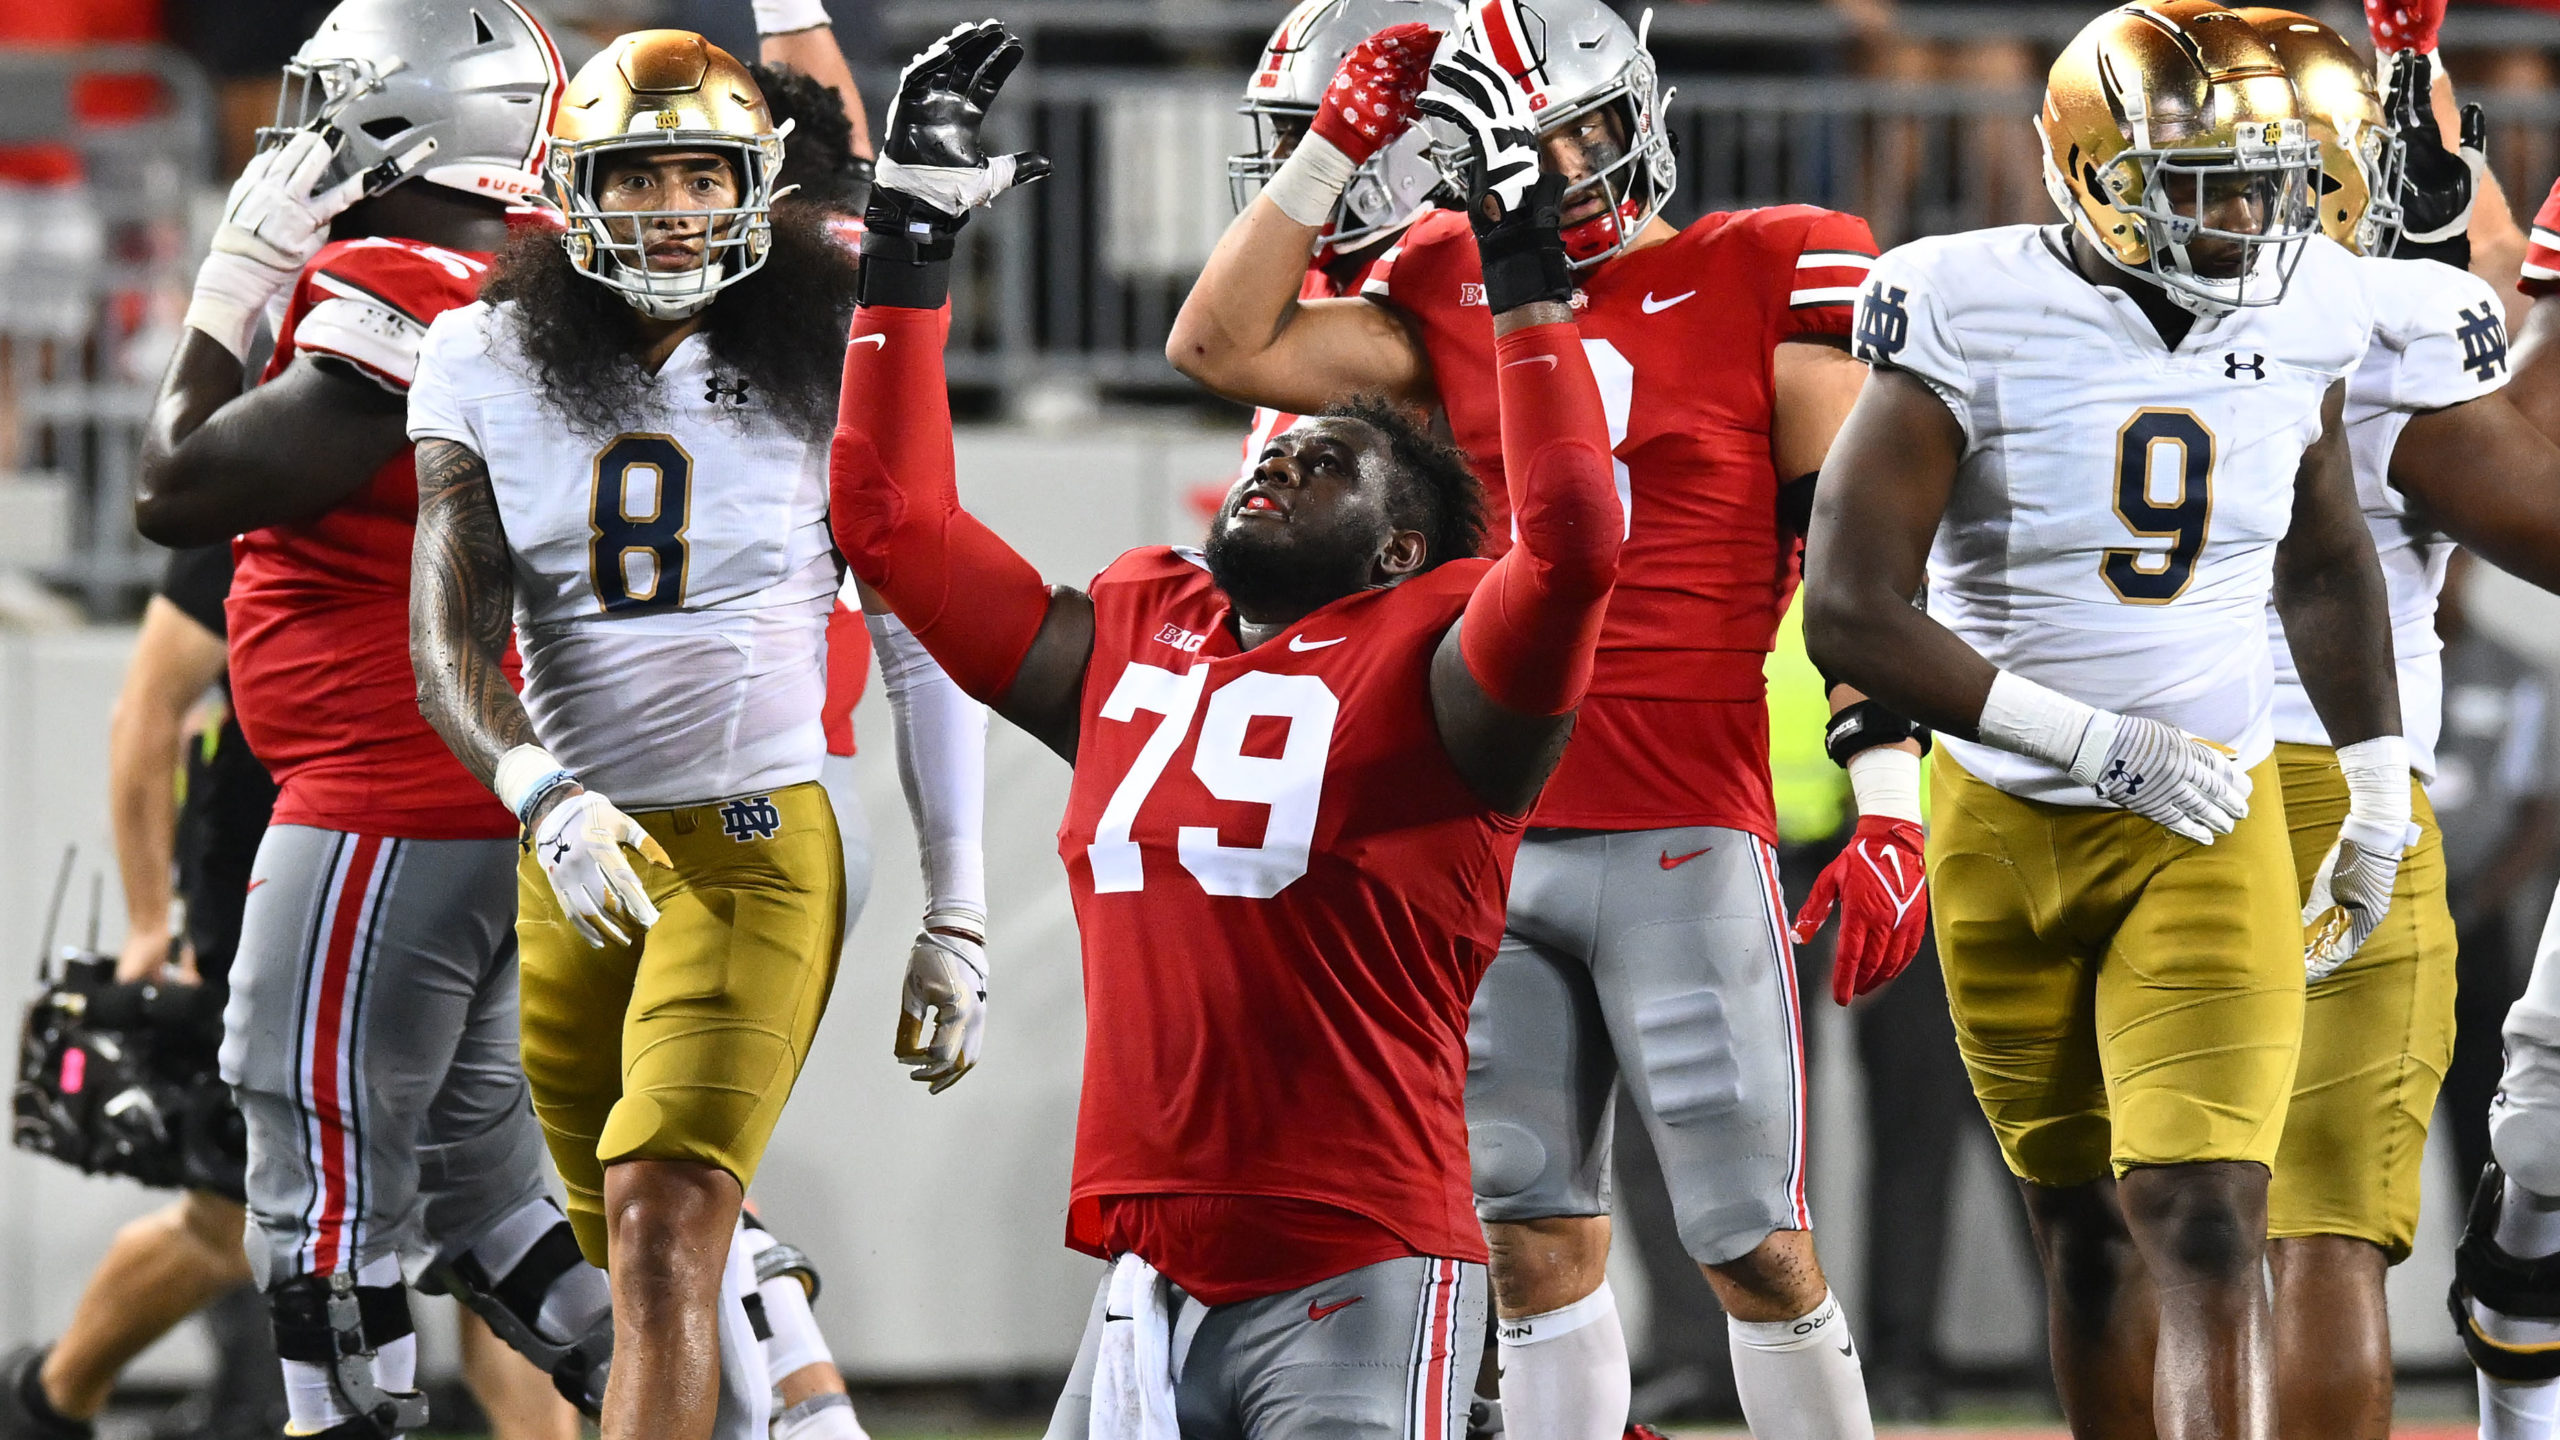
(512, 1306)
(2528, 1289)
(333, 1321)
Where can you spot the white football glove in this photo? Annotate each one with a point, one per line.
(579, 845)
(2162, 774)
(946, 987)
(2351, 891)
(1471, 92)
(272, 224)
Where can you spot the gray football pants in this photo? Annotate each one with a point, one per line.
(371, 1040)
(1659, 957)
(1385, 1352)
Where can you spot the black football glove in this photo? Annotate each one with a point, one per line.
(1514, 207)
(2437, 186)
(933, 168)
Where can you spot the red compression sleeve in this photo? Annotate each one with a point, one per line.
(1534, 621)
(895, 506)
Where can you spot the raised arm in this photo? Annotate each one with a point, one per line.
(974, 603)
(2481, 473)
(1243, 331)
(216, 462)
(1507, 678)
(799, 34)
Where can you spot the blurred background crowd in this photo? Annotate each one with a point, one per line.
(121, 121)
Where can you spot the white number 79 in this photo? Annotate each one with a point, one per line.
(1290, 783)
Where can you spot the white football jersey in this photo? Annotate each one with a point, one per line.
(672, 581)
(2439, 339)
(2113, 525)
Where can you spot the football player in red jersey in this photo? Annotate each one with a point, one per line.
(1645, 909)
(371, 1033)
(1387, 191)
(1302, 761)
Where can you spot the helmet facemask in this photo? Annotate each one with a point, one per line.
(1385, 193)
(610, 246)
(2174, 192)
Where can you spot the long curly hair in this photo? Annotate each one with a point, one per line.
(781, 329)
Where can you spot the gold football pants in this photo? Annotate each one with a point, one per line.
(2122, 996)
(2376, 1036)
(683, 1044)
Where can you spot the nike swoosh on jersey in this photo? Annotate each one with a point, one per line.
(254, 884)
(1301, 642)
(1674, 862)
(1548, 361)
(1318, 1312)
(1656, 307)
(873, 339)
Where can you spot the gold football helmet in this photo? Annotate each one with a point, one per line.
(664, 90)
(2161, 119)
(2360, 156)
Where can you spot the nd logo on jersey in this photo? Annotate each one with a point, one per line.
(1883, 324)
(2484, 341)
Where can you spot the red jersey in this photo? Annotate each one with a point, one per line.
(1287, 896)
(319, 610)
(1682, 338)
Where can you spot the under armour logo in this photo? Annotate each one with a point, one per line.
(717, 391)
(752, 818)
(1883, 324)
(2127, 780)
(2484, 342)
(2232, 365)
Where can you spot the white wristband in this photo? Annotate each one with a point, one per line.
(955, 917)
(1311, 180)
(2024, 718)
(231, 294)
(521, 771)
(2378, 804)
(783, 17)
(1886, 780)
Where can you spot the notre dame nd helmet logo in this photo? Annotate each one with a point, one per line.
(1883, 324)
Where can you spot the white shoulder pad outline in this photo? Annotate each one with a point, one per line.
(353, 326)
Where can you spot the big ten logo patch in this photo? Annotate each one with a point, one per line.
(1186, 641)
(750, 817)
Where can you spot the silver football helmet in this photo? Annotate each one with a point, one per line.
(1576, 57)
(1391, 187)
(477, 77)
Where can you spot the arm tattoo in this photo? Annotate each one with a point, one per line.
(461, 610)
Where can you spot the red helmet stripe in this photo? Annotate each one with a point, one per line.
(1502, 31)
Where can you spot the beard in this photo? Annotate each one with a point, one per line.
(1266, 569)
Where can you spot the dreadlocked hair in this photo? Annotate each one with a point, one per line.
(1436, 491)
(781, 330)
(817, 156)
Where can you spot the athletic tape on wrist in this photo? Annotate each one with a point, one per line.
(525, 775)
(2378, 803)
(2025, 718)
(231, 295)
(1311, 181)
(1887, 783)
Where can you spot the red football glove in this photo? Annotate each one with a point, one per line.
(1884, 905)
(2404, 24)
(1370, 101)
